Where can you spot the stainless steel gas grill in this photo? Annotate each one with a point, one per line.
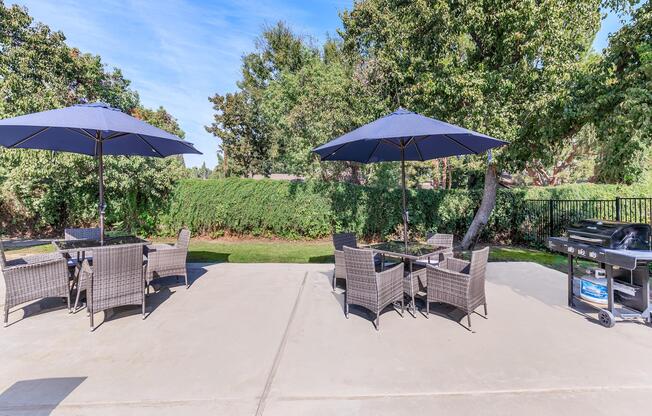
(623, 251)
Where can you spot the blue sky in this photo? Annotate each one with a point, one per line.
(178, 52)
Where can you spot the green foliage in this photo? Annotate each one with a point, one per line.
(623, 104)
(314, 209)
(43, 191)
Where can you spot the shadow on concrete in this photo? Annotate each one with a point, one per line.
(38, 397)
(38, 307)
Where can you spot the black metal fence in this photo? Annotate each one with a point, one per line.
(551, 217)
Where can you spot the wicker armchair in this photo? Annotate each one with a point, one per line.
(459, 283)
(33, 277)
(115, 279)
(82, 233)
(165, 260)
(369, 289)
(339, 241)
(441, 240)
(75, 263)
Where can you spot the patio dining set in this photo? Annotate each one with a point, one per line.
(428, 270)
(112, 272)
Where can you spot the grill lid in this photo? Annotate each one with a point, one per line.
(611, 234)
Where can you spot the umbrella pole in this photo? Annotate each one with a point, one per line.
(101, 175)
(405, 213)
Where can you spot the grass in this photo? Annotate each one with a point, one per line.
(265, 251)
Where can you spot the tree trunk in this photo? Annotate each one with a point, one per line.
(486, 207)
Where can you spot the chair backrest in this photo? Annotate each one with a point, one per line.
(82, 233)
(441, 240)
(344, 239)
(183, 239)
(117, 276)
(478, 267)
(360, 270)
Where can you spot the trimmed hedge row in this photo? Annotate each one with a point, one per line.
(310, 209)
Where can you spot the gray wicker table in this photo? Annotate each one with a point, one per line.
(416, 251)
(76, 246)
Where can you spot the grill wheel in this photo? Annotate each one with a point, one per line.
(606, 318)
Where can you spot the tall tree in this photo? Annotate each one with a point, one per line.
(491, 66)
(39, 71)
(622, 108)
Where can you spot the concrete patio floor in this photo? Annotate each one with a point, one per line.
(271, 339)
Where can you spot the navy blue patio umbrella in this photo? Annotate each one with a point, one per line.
(91, 129)
(404, 135)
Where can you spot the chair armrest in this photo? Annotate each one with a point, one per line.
(34, 259)
(437, 274)
(35, 263)
(156, 247)
(395, 274)
(453, 264)
(164, 257)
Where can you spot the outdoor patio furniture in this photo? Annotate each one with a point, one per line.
(369, 289)
(74, 263)
(339, 241)
(33, 277)
(413, 283)
(164, 260)
(68, 247)
(459, 283)
(116, 278)
(82, 233)
(445, 241)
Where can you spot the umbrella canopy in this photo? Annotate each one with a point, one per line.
(404, 135)
(91, 129)
(80, 128)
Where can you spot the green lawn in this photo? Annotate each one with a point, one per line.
(252, 251)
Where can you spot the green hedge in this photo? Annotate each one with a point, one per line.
(312, 209)
(295, 210)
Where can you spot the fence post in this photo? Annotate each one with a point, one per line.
(551, 227)
(617, 208)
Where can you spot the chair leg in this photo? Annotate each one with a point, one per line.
(414, 307)
(185, 275)
(77, 299)
(485, 309)
(92, 322)
(402, 306)
(468, 318)
(6, 315)
(346, 309)
(144, 306)
(427, 308)
(68, 301)
(378, 321)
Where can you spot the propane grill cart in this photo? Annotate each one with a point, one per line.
(626, 271)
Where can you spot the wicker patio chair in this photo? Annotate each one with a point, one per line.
(75, 263)
(339, 241)
(82, 233)
(369, 289)
(115, 279)
(441, 240)
(165, 260)
(459, 283)
(33, 277)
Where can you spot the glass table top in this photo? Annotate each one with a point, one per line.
(87, 244)
(414, 249)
